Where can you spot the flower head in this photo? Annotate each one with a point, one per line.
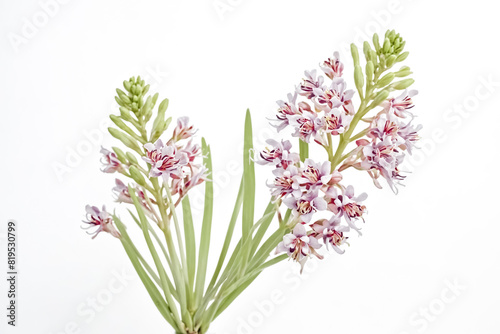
(400, 106)
(165, 160)
(305, 206)
(285, 110)
(278, 154)
(286, 182)
(183, 130)
(309, 84)
(332, 67)
(110, 162)
(299, 246)
(345, 204)
(102, 220)
(332, 232)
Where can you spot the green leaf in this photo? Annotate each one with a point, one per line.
(248, 179)
(190, 239)
(206, 226)
(271, 207)
(240, 286)
(157, 261)
(150, 286)
(229, 235)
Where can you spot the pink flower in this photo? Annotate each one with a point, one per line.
(165, 160)
(383, 127)
(305, 206)
(331, 231)
(332, 67)
(345, 204)
(191, 150)
(110, 162)
(315, 174)
(285, 182)
(102, 220)
(183, 130)
(400, 105)
(336, 121)
(285, 110)
(409, 134)
(299, 246)
(335, 96)
(191, 176)
(309, 84)
(278, 155)
(382, 157)
(306, 126)
(123, 196)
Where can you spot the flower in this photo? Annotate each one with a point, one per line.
(123, 195)
(315, 174)
(183, 130)
(383, 157)
(165, 160)
(336, 121)
(110, 162)
(400, 105)
(335, 96)
(278, 155)
(332, 67)
(310, 84)
(121, 192)
(190, 176)
(345, 204)
(299, 246)
(285, 182)
(305, 206)
(409, 134)
(102, 220)
(285, 110)
(306, 126)
(332, 232)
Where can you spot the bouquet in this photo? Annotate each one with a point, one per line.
(310, 205)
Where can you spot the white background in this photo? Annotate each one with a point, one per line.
(57, 85)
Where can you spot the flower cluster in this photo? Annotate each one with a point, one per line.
(323, 210)
(326, 109)
(175, 161)
(389, 135)
(310, 189)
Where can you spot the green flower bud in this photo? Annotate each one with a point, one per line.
(359, 80)
(125, 114)
(125, 139)
(403, 84)
(162, 108)
(386, 79)
(137, 176)
(127, 85)
(390, 61)
(381, 97)
(387, 46)
(120, 102)
(120, 155)
(355, 54)
(367, 51)
(370, 69)
(131, 158)
(403, 72)
(123, 96)
(402, 56)
(376, 43)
